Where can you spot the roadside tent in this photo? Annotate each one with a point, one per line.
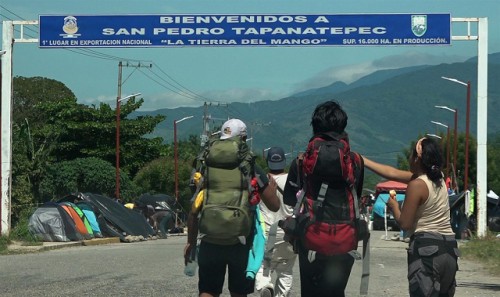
(82, 216)
(50, 222)
(158, 201)
(80, 226)
(114, 218)
(91, 217)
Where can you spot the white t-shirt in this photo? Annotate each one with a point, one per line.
(284, 211)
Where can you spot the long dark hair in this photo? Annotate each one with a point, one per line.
(432, 160)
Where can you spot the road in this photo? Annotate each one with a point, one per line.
(155, 268)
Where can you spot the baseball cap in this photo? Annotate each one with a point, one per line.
(233, 127)
(276, 158)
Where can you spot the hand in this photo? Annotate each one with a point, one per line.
(272, 182)
(187, 253)
(392, 202)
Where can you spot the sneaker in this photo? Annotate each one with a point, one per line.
(395, 237)
(407, 240)
(267, 292)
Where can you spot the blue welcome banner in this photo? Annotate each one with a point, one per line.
(166, 30)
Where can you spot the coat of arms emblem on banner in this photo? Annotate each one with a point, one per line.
(418, 24)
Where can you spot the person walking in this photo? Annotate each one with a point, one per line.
(224, 217)
(279, 256)
(425, 215)
(326, 244)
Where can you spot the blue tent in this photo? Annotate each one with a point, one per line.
(89, 213)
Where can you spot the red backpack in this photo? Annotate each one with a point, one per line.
(332, 177)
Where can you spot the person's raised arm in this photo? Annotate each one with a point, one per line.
(388, 172)
(269, 196)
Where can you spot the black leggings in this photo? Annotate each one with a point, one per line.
(325, 276)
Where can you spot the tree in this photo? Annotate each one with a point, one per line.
(50, 126)
(85, 175)
(91, 132)
(29, 91)
(494, 164)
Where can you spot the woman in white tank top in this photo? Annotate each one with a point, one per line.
(433, 252)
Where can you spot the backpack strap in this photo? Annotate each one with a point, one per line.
(365, 273)
(357, 188)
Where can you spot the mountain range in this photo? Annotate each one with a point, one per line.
(387, 110)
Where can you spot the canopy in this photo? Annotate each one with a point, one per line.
(492, 194)
(390, 185)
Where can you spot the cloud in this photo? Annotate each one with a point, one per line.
(245, 95)
(353, 72)
(343, 73)
(175, 100)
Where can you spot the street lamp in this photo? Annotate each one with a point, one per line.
(264, 152)
(433, 135)
(176, 176)
(467, 120)
(118, 100)
(455, 141)
(447, 146)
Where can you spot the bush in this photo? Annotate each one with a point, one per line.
(85, 175)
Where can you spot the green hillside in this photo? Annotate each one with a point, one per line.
(387, 109)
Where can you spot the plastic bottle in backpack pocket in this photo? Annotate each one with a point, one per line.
(191, 267)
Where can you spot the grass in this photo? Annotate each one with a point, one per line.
(4, 242)
(20, 232)
(485, 250)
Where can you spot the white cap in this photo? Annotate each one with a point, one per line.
(233, 127)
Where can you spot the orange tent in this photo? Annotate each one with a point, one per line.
(80, 226)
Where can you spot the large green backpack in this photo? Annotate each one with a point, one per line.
(226, 217)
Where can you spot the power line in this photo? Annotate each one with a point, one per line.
(182, 90)
(193, 93)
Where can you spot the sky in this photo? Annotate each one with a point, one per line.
(190, 76)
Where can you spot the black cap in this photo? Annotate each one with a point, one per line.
(276, 158)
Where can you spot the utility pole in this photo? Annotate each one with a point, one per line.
(206, 120)
(118, 115)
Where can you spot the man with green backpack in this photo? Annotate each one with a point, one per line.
(222, 215)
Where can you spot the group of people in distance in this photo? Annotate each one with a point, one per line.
(425, 216)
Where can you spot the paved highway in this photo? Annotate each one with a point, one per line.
(155, 268)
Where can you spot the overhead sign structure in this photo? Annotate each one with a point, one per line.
(66, 31)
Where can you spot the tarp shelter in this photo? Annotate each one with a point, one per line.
(158, 201)
(50, 222)
(114, 218)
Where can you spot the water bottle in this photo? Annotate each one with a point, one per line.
(190, 268)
